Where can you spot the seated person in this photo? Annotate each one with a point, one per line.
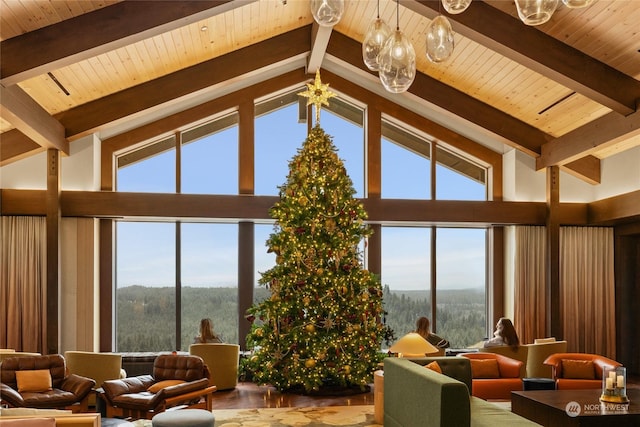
(505, 334)
(423, 327)
(206, 333)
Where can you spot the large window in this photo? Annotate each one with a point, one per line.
(171, 272)
(415, 277)
(263, 260)
(210, 157)
(278, 135)
(406, 276)
(209, 267)
(145, 291)
(406, 164)
(461, 285)
(407, 263)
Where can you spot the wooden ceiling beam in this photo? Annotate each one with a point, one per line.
(586, 168)
(91, 116)
(596, 135)
(320, 36)
(55, 46)
(519, 134)
(613, 209)
(14, 146)
(541, 53)
(31, 119)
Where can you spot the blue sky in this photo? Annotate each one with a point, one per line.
(145, 251)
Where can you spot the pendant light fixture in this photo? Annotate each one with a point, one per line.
(377, 34)
(397, 60)
(455, 6)
(576, 4)
(536, 12)
(440, 42)
(327, 13)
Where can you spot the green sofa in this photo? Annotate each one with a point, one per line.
(415, 396)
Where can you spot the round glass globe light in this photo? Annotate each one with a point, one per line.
(576, 4)
(377, 34)
(440, 42)
(327, 13)
(455, 6)
(397, 63)
(536, 12)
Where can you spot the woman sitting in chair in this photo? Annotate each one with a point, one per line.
(505, 334)
(423, 328)
(206, 333)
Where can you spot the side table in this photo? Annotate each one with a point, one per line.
(538, 384)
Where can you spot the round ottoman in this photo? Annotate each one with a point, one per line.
(115, 422)
(184, 418)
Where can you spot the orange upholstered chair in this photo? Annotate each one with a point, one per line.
(578, 370)
(494, 376)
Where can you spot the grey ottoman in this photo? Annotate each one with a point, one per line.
(184, 418)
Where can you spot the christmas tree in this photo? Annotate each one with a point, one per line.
(321, 327)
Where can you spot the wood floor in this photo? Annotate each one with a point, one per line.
(250, 395)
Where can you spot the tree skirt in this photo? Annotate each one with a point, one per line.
(355, 416)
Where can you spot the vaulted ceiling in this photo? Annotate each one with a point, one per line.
(566, 92)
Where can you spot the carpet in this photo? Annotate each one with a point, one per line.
(355, 416)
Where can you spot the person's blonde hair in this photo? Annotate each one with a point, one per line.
(206, 330)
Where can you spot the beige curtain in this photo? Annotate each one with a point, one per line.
(588, 289)
(23, 283)
(529, 283)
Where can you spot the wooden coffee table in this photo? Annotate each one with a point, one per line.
(552, 408)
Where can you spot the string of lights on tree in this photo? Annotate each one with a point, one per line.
(321, 326)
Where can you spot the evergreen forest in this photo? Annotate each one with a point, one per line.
(146, 315)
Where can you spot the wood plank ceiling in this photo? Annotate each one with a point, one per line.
(565, 92)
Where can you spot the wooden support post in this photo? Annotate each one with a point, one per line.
(554, 312)
(246, 279)
(53, 250)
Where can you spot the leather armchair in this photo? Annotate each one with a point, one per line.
(499, 386)
(69, 391)
(560, 375)
(520, 353)
(131, 397)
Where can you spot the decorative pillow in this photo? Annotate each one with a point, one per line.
(578, 369)
(154, 388)
(484, 368)
(36, 381)
(434, 367)
(544, 340)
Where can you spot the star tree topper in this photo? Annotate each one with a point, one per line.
(318, 94)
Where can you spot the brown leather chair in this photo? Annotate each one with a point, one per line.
(68, 391)
(182, 380)
(499, 384)
(588, 375)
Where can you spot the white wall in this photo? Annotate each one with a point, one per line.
(79, 285)
(619, 174)
(80, 170)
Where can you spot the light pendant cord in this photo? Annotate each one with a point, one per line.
(397, 15)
